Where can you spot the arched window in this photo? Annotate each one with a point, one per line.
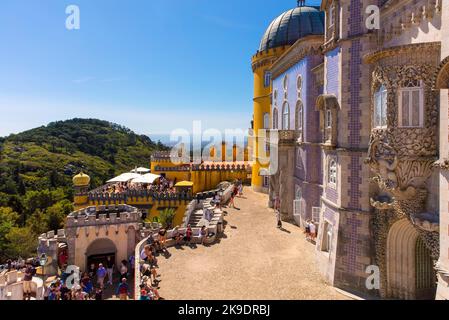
(286, 116)
(299, 86)
(332, 173)
(380, 107)
(275, 119)
(299, 115)
(285, 83)
(266, 120)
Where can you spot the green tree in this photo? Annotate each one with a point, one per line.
(167, 216)
(54, 216)
(21, 242)
(8, 220)
(37, 222)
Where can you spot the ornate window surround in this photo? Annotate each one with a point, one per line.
(410, 89)
(328, 107)
(275, 118)
(286, 116)
(332, 172)
(380, 93)
(266, 120)
(299, 120)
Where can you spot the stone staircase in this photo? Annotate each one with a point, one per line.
(198, 219)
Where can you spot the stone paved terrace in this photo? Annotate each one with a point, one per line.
(254, 260)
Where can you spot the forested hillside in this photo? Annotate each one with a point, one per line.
(36, 170)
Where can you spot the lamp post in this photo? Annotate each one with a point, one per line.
(43, 259)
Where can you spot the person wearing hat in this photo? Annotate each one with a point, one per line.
(123, 290)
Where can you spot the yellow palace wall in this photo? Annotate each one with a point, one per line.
(261, 63)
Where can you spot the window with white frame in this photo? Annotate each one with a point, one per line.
(411, 104)
(266, 120)
(328, 119)
(332, 172)
(299, 115)
(286, 116)
(380, 107)
(275, 119)
(267, 79)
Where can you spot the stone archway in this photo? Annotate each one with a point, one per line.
(442, 75)
(410, 273)
(100, 248)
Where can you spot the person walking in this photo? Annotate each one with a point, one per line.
(124, 270)
(188, 236)
(101, 275)
(277, 210)
(123, 290)
(110, 269)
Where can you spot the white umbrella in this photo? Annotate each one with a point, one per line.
(125, 177)
(148, 178)
(141, 170)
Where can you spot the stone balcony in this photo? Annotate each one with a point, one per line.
(283, 137)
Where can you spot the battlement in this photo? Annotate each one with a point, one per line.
(103, 215)
(167, 157)
(172, 169)
(135, 195)
(231, 166)
(50, 240)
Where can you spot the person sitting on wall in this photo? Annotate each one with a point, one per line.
(30, 271)
(177, 236)
(162, 239)
(153, 243)
(203, 234)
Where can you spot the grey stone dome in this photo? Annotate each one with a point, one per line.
(293, 25)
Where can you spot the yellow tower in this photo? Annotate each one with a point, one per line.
(280, 35)
(261, 65)
(81, 185)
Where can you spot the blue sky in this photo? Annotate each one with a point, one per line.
(151, 65)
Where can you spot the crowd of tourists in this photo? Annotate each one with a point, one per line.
(91, 285)
(18, 264)
(163, 185)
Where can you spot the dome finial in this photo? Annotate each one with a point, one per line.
(301, 3)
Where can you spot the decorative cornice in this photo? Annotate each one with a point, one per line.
(264, 58)
(398, 50)
(303, 47)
